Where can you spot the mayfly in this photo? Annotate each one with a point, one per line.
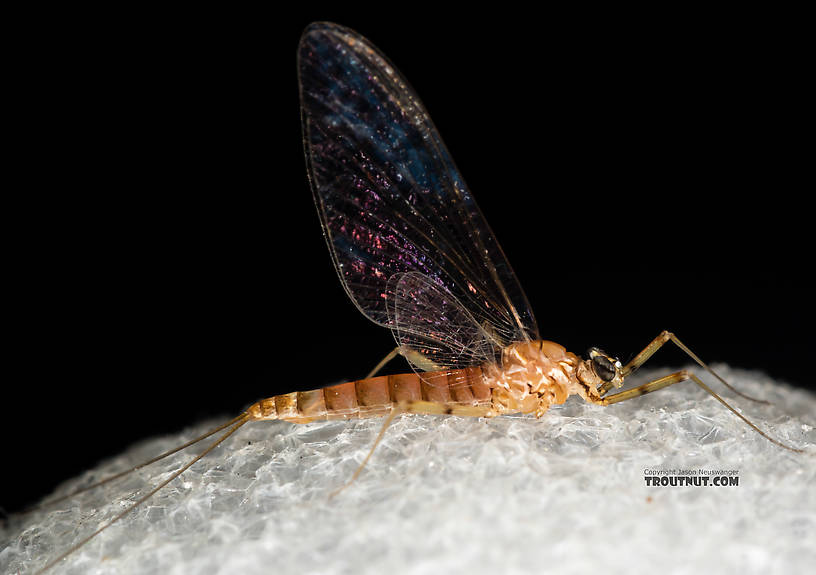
(415, 255)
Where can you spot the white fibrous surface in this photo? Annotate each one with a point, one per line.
(562, 494)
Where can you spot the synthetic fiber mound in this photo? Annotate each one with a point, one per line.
(564, 494)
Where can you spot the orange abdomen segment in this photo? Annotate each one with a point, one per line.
(376, 396)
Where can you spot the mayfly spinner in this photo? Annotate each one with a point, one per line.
(415, 255)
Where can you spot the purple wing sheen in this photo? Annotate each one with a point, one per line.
(439, 332)
(389, 196)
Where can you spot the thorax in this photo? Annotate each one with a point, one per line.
(534, 375)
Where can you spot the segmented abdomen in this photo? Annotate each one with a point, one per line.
(376, 396)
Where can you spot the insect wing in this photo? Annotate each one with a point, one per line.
(435, 328)
(389, 196)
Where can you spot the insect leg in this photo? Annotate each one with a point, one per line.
(427, 407)
(648, 387)
(391, 355)
(412, 356)
(394, 411)
(436, 408)
(657, 343)
(678, 377)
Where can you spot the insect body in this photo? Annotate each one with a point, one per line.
(531, 377)
(416, 256)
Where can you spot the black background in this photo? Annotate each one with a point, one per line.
(166, 262)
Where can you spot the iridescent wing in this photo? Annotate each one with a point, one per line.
(391, 200)
(431, 322)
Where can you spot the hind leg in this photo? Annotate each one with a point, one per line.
(428, 407)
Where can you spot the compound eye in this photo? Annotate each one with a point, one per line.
(604, 368)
